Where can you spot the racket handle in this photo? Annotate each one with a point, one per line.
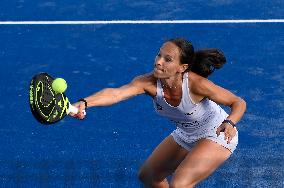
(74, 109)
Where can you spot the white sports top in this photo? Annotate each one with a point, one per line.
(188, 116)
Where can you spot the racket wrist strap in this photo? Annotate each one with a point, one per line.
(83, 100)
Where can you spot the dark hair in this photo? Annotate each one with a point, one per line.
(186, 50)
(202, 62)
(207, 60)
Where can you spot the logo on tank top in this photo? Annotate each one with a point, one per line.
(190, 113)
(186, 124)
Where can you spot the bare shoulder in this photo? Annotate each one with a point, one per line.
(145, 79)
(199, 85)
(202, 87)
(147, 82)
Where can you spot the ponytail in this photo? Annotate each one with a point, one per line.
(207, 60)
(202, 62)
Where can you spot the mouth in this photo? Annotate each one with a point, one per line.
(158, 70)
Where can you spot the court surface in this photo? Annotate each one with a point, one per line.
(109, 146)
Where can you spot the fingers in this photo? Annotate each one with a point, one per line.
(229, 132)
(227, 136)
(220, 129)
(80, 113)
(229, 139)
(81, 107)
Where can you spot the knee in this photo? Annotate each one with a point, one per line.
(145, 175)
(141, 175)
(149, 178)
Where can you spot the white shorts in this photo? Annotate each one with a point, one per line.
(189, 141)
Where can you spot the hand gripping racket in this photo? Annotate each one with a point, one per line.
(47, 106)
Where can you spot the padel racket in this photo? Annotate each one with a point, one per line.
(47, 106)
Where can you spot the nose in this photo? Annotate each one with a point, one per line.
(158, 61)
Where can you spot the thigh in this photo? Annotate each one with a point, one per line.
(203, 160)
(164, 160)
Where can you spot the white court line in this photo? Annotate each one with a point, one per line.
(103, 22)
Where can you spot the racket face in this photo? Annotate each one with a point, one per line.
(46, 106)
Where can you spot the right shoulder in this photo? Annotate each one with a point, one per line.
(145, 79)
(147, 82)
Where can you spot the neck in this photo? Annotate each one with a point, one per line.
(172, 82)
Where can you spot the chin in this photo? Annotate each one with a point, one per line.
(157, 75)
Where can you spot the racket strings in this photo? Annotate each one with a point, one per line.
(47, 106)
(47, 95)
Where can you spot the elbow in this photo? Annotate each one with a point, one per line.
(239, 103)
(243, 103)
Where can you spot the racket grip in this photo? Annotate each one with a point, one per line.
(74, 109)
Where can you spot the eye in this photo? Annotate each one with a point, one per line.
(168, 59)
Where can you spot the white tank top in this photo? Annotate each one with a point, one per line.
(188, 116)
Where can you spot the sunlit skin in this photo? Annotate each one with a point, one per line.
(168, 68)
(188, 168)
(167, 65)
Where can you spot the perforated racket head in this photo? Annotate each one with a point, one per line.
(46, 106)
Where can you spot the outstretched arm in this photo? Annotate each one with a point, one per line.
(109, 96)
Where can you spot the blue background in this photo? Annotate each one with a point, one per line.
(109, 146)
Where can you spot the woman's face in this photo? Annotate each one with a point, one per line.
(167, 62)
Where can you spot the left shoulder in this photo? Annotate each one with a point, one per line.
(199, 85)
(202, 87)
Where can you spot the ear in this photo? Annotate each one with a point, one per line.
(183, 67)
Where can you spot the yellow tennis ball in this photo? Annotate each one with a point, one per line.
(59, 85)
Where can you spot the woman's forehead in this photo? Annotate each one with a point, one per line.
(170, 49)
